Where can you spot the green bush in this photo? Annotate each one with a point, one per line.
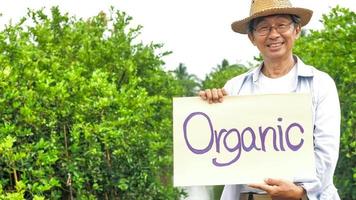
(85, 112)
(221, 74)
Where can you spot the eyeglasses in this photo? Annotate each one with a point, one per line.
(280, 28)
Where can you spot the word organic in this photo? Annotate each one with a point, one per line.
(247, 139)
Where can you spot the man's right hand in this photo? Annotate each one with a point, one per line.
(213, 95)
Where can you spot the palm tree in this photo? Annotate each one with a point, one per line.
(190, 82)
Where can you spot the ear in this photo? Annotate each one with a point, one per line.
(252, 38)
(298, 31)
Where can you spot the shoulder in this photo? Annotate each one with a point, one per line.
(319, 77)
(323, 84)
(236, 79)
(233, 85)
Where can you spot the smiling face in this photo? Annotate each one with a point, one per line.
(274, 36)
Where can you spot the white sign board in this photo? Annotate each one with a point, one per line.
(243, 140)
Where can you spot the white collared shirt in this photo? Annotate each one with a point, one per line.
(326, 121)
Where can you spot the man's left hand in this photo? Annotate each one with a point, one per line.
(280, 189)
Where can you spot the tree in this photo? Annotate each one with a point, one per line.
(85, 111)
(189, 82)
(222, 73)
(333, 50)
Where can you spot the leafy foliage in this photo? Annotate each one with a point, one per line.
(85, 112)
(221, 74)
(333, 50)
(189, 82)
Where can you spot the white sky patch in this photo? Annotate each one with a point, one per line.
(197, 31)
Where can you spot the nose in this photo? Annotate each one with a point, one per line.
(273, 33)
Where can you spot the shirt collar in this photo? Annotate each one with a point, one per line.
(302, 70)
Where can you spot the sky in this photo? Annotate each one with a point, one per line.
(198, 32)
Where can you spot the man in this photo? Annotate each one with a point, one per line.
(273, 26)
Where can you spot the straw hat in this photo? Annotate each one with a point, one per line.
(260, 8)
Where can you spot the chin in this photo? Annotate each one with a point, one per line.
(281, 53)
(275, 55)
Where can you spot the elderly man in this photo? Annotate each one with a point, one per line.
(273, 26)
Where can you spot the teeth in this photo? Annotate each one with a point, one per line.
(274, 45)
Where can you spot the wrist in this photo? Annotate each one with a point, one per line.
(301, 192)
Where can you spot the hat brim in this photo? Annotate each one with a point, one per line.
(304, 14)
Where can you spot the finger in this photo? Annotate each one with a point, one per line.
(261, 186)
(208, 95)
(272, 181)
(202, 95)
(256, 185)
(220, 95)
(224, 91)
(215, 94)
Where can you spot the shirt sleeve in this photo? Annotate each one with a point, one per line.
(326, 139)
(233, 86)
(228, 87)
(231, 192)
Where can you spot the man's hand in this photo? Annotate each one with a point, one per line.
(280, 189)
(213, 95)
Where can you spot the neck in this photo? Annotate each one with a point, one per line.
(277, 68)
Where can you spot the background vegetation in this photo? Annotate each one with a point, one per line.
(86, 111)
